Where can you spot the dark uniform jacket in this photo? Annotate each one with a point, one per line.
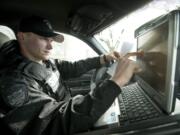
(35, 101)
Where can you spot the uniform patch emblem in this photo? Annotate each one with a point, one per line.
(16, 95)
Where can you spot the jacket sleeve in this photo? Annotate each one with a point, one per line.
(87, 109)
(13, 92)
(75, 69)
(31, 111)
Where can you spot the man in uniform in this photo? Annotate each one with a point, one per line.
(34, 104)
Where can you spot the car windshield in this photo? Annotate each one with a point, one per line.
(120, 35)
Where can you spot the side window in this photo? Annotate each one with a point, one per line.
(72, 49)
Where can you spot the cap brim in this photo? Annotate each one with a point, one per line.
(58, 37)
(55, 35)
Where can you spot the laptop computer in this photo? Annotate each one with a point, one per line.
(153, 92)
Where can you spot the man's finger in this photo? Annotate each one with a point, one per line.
(140, 54)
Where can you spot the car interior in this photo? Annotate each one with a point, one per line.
(83, 19)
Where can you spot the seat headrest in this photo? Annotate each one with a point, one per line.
(6, 34)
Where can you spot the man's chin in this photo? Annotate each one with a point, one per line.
(46, 58)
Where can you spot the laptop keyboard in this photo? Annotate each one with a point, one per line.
(135, 106)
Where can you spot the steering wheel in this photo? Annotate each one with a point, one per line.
(99, 75)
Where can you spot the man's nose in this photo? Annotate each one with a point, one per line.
(49, 44)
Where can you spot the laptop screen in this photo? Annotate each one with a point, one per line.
(159, 40)
(154, 62)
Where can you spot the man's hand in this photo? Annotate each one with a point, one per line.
(124, 71)
(110, 57)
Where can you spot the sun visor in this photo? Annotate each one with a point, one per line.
(85, 20)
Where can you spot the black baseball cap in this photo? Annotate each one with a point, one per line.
(40, 26)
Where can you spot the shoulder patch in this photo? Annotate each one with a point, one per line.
(15, 95)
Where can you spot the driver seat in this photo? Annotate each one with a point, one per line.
(6, 34)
